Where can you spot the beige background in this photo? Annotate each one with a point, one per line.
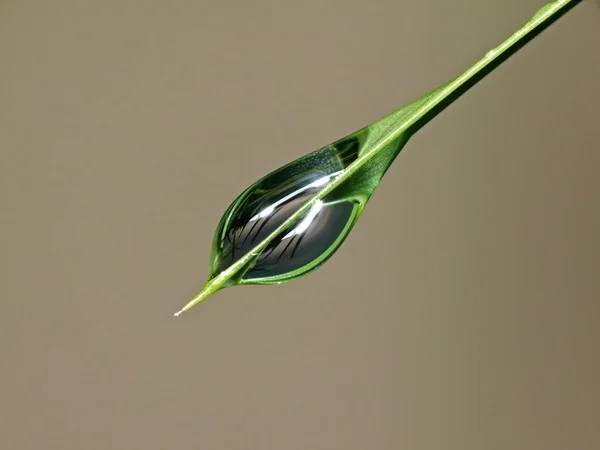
(462, 312)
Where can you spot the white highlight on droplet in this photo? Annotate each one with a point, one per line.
(320, 182)
(264, 213)
(305, 224)
(315, 184)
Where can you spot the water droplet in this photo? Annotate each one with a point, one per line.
(267, 204)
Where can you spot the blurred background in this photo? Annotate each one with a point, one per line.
(461, 313)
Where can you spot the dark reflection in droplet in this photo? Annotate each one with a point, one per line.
(300, 246)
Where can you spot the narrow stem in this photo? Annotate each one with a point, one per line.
(541, 20)
(442, 97)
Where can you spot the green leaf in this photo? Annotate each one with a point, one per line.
(291, 221)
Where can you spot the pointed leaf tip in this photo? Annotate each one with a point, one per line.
(210, 288)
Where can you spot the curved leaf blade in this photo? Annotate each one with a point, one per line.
(332, 185)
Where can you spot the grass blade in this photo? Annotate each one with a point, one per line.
(392, 132)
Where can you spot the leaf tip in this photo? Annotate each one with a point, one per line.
(210, 288)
